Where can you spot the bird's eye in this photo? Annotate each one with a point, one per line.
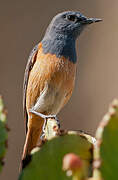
(71, 17)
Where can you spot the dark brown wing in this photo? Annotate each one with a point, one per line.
(29, 66)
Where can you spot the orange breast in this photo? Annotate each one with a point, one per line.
(50, 83)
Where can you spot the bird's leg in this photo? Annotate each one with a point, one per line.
(45, 117)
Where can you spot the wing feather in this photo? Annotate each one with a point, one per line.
(29, 66)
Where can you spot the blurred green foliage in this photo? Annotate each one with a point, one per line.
(106, 150)
(3, 133)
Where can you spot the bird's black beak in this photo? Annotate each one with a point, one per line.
(91, 20)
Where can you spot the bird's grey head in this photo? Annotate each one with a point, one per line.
(62, 32)
(70, 23)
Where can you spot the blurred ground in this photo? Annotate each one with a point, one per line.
(23, 24)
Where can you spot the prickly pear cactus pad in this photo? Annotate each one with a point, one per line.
(47, 162)
(3, 133)
(106, 151)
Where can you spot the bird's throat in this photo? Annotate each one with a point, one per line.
(60, 45)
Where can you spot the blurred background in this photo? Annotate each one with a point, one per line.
(22, 25)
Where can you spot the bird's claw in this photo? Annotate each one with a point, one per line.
(45, 117)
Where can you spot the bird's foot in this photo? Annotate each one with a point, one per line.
(45, 117)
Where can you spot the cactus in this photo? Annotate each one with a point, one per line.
(68, 155)
(3, 133)
(106, 149)
(47, 162)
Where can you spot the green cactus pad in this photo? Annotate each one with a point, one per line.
(3, 133)
(46, 163)
(106, 151)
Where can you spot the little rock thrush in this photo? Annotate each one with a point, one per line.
(50, 73)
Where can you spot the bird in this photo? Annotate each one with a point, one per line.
(50, 73)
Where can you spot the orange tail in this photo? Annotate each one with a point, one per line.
(35, 125)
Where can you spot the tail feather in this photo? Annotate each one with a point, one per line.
(35, 125)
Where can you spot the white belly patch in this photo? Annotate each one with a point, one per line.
(50, 100)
